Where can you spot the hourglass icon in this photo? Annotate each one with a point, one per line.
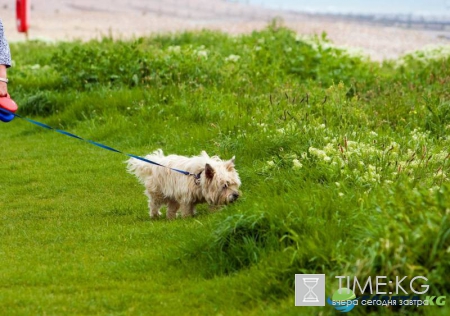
(310, 297)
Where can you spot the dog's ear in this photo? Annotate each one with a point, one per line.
(209, 171)
(230, 164)
(204, 154)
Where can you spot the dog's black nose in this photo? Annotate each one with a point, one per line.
(235, 196)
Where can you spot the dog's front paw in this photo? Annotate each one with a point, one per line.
(155, 215)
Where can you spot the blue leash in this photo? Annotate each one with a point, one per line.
(196, 176)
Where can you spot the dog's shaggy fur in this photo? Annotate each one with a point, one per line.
(218, 183)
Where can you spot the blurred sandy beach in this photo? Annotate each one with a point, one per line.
(52, 20)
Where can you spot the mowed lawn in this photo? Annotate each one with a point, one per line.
(77, 238)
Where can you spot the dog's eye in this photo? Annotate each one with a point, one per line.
(225, 186)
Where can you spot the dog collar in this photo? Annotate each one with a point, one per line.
(197, 177)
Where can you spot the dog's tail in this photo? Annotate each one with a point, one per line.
(142, 169)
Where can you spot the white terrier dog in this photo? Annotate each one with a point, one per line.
(217, 182)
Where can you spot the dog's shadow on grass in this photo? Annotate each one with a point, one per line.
(141, 215)
(136, 215)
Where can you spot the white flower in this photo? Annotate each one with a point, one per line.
(440, 156)
(440, 174)
(174, 49)
(232, 58)
(434, 189)
(296, 164)
(329, 148)
(317, 152)
(202, 53)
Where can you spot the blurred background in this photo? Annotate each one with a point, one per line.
(419, 9)
(381, 29)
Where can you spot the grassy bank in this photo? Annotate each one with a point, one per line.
(344, 164)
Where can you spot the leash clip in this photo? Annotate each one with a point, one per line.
(197, 177)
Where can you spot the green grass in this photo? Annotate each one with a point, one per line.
(344, 164)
